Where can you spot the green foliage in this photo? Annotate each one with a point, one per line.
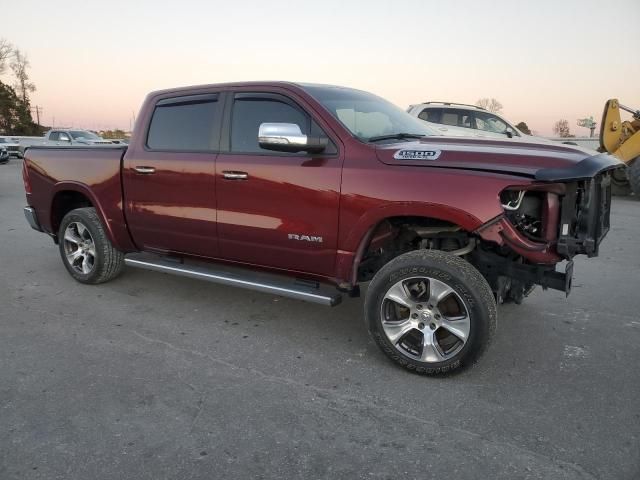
(15, 114)
(523, 127)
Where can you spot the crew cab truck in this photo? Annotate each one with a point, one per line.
(309, 191)
(63, 137)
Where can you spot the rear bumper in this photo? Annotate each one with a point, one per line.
(32, 218)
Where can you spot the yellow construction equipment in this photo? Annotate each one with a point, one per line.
(622, 139)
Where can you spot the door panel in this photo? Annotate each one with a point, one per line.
(173, 209)
(281, 196)
(284, 213)
(169, 186)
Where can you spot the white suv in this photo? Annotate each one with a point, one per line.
(460, 120)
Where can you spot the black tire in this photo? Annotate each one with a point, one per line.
(108, 262)
(634, 176)
(620, 186)
(465, 281)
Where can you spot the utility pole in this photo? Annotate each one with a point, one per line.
(38, 111)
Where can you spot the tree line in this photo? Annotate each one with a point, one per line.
(15, 105)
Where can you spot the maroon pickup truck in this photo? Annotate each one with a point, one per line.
(308, 191)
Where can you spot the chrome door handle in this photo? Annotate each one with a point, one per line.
(145, 170)
(235, 175)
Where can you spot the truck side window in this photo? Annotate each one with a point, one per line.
(251, 110)
(183, 123)
(54, 136)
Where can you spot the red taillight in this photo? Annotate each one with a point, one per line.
(25, 178)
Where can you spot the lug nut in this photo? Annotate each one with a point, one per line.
(414, 315)
(438, 316)
(419, 307)
(421, 326)
(432, 326)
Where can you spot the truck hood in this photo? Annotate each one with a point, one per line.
(546, 162)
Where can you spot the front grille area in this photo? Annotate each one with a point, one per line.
(585, 216)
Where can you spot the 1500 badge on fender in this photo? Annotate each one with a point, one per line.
(414, 154)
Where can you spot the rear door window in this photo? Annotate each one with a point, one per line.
(431, 115)
(54, 136)
(456, 118)
(185, 124)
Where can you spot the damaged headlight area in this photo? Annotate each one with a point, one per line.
(571, 216)
(526, 210)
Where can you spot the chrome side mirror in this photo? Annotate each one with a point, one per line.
(509, 132)
(287, 137)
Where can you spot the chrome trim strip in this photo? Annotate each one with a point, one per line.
(230, 279)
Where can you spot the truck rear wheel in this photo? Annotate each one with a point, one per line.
(431, 312)
(85, 248)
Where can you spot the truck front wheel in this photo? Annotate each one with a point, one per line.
(85, 248)
(431, 312)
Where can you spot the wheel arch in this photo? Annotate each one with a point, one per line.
(68, 196)
(361, 234)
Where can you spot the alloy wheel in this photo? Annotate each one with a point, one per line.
(79, 248)
(425, 319)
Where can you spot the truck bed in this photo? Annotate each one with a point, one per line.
(96, 175)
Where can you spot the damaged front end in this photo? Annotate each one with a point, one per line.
(565, 212)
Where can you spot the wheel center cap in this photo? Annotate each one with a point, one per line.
(426, 316)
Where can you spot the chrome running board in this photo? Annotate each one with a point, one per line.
(236, 277)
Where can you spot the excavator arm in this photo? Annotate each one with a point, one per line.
(619, 138)
(622, 138)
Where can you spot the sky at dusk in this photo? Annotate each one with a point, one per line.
(93, 62)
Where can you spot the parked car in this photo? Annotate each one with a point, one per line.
(64, 137)
(4, 155)
(328, 188)
(11, 146)
(74, 137)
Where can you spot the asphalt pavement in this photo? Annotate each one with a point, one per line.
(153, 376)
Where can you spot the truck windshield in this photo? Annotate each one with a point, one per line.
(367, 116)
(78, 134)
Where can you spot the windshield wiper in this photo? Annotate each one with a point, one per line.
(395, 136)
